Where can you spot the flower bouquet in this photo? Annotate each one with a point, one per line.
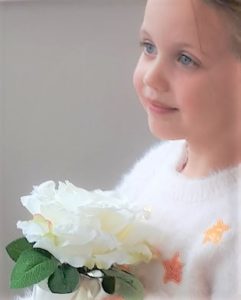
(79, 243)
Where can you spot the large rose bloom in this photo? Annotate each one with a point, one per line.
(85, 228)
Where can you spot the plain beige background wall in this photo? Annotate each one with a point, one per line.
(2, 239)
(68, 109)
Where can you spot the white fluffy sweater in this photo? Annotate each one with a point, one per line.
(200, 224)
(200, 219)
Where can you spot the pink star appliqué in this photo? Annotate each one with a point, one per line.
(173, 269)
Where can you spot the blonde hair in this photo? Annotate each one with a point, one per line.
(232, 10)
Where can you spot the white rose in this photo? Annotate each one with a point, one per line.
(85, 228)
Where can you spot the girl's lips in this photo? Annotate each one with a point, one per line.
(157, 107)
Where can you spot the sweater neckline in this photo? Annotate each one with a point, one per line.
(229, 175)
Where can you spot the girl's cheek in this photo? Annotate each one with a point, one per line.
(137, 80)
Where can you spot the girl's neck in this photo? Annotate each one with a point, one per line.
(200, 161)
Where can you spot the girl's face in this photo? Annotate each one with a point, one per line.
(187, 78)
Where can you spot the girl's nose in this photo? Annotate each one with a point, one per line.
(155, 78)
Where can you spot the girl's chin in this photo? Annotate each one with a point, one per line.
(164, 132)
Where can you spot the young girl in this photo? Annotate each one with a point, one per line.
(188, 80)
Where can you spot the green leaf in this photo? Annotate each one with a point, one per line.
(15, 248)
(32, 267)
(127, 285)
(64, 280)
(108, 284)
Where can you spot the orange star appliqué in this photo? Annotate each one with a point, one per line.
(215, 233)
(173, 269)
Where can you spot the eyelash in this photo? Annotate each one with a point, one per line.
(144, 45)
(192, 62)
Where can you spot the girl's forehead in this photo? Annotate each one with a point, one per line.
(187, 21)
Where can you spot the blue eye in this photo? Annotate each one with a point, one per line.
(186, 60)
(149, 48)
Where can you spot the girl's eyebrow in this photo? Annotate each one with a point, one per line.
(192, 47)
(143, 32)
(185, 45)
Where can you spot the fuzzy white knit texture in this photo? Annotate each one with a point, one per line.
(199, 258)
(185, 209)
